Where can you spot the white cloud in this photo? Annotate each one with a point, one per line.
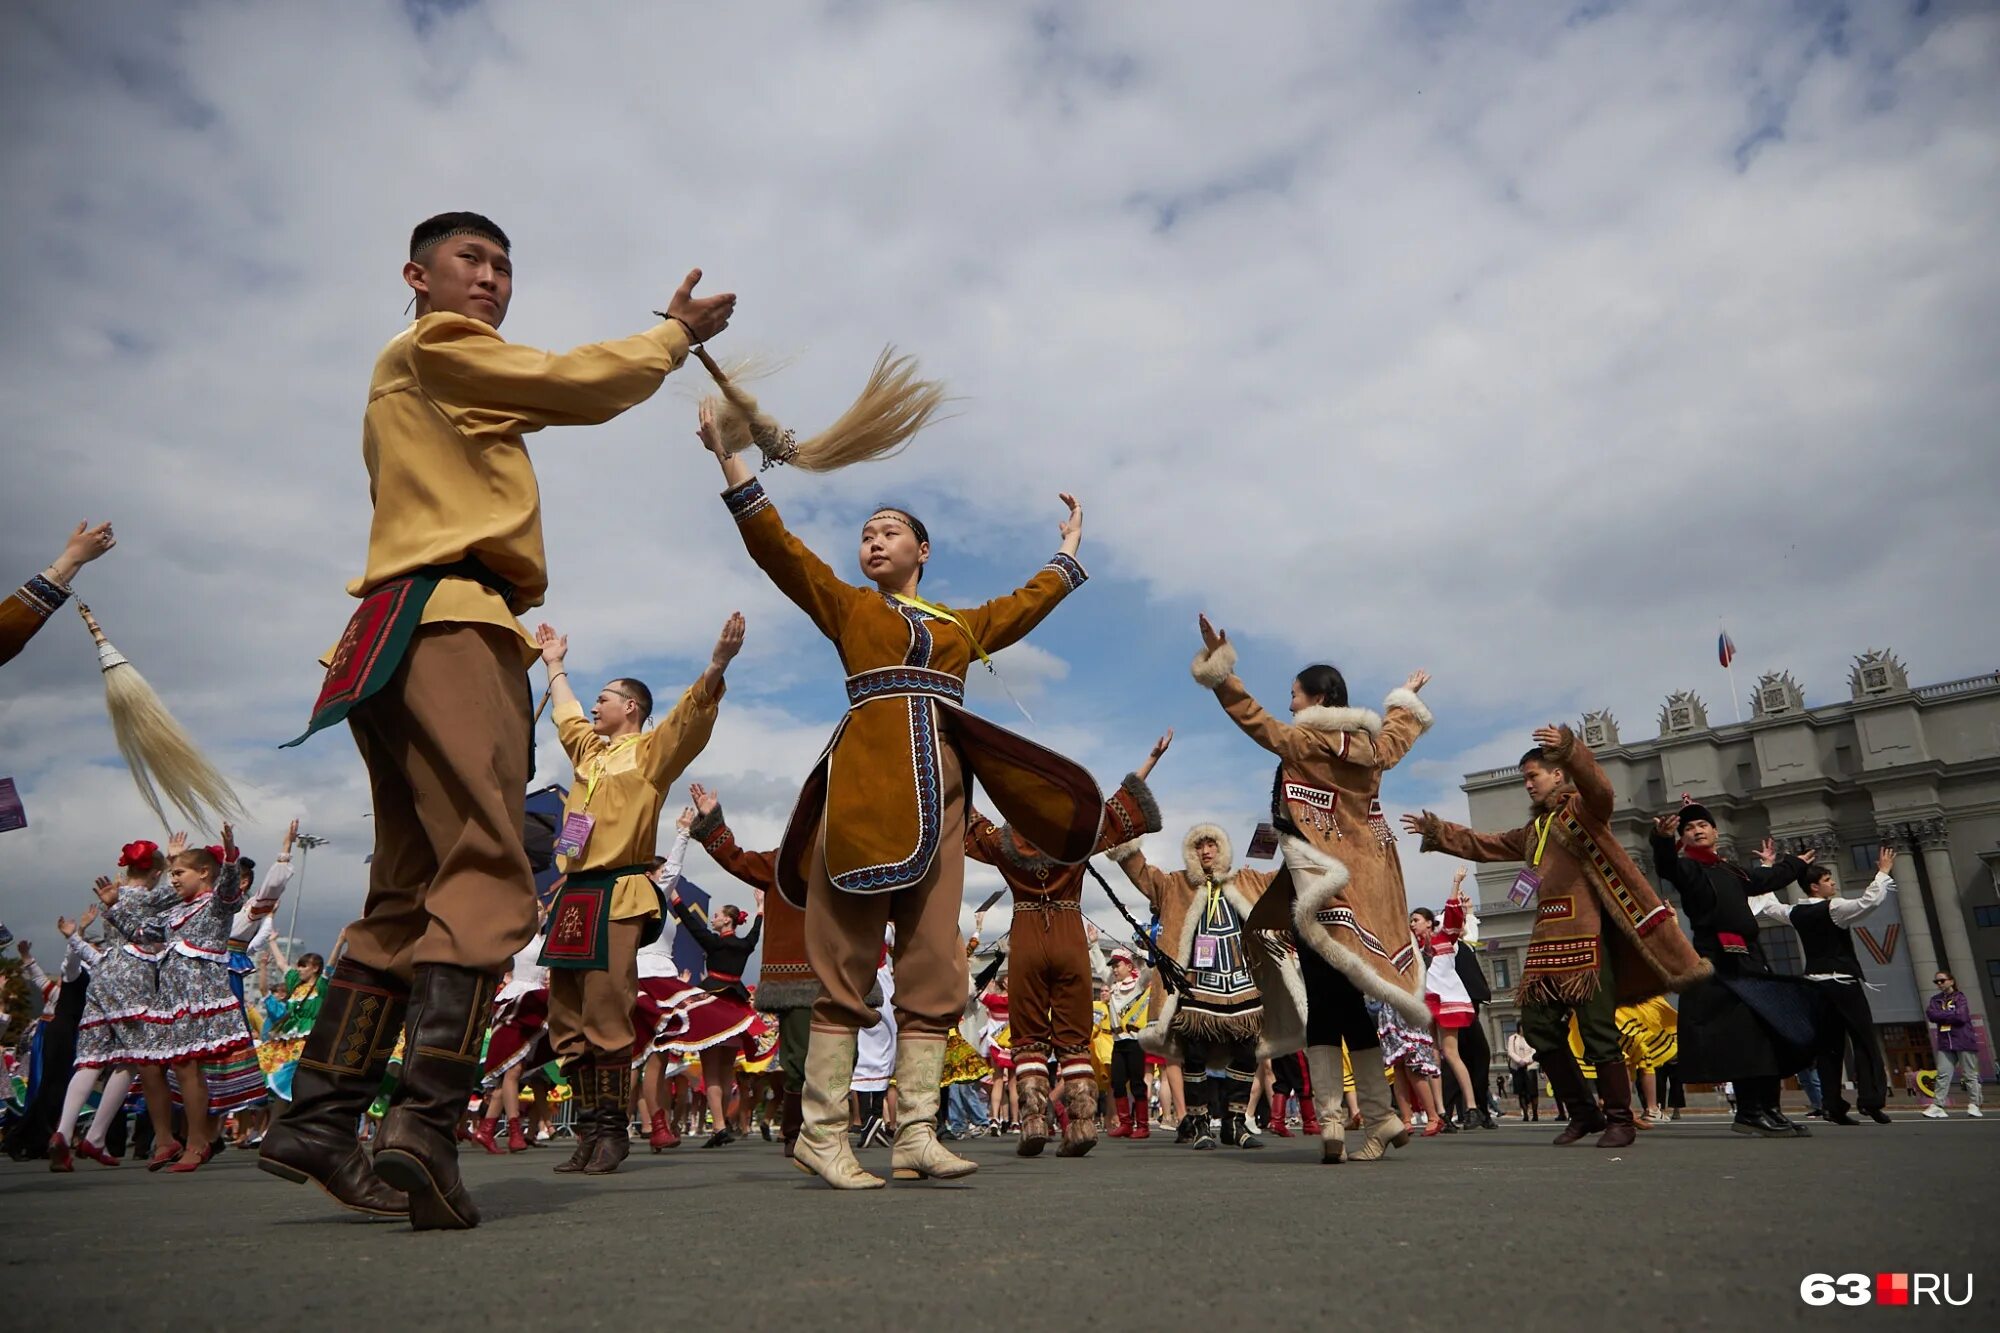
(1519, 348)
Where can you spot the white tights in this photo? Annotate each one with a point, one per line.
(78, 1092)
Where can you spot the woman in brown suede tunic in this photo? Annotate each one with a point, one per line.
(1342, 890)
(878, 835)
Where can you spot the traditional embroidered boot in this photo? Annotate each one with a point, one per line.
(340, 1071)
(1323, 1064)
(581, 1075)
(1079, 1097)
(1584, 1116)
(823, 1148)
(1032, 1090)
(417, 1149)
(919, 1077)
(1280, 1104)
(1382, 1128)
(1123, 1129)
(614, 1115)
(1614, 1084)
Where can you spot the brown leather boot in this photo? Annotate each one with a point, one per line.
(339, 1073)
(1584, 1116)
(581, 1075)
(1032, 1093)
(417, 1150)
(1614, 1085)
(1079, 1097)
(614, 1116)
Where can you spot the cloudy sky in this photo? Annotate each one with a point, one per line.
(1525, 344)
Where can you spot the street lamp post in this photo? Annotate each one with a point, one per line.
(306, 842)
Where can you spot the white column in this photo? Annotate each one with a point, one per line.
(1916, 927)
(1959, 958)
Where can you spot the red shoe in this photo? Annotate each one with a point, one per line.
(1279, 1106)
(483, 1134)
(59, 1155)
(1142, 1114)
(1123, 1129)
(163, 1154)
(663, 1136)
(95, 1153)
(517, 1134)
(183, 1168)
(1308, 1117)
(1433, 1127)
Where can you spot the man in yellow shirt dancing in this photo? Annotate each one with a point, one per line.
(431, 676)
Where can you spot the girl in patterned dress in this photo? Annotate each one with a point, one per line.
(114, 1034)
(1412, 1055)
(192, 1002)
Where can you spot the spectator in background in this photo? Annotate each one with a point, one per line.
(1950, 1017)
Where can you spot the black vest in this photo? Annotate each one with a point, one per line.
(1829, 948)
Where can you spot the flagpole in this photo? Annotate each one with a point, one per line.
(1734, 697)
(1726, 650)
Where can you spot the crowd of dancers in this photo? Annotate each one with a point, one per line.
(1315, 966)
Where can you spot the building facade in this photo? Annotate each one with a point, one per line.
(1913, 768)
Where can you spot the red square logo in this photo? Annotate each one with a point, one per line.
(1892, 1288)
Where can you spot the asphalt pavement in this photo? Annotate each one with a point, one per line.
(1692, 1227)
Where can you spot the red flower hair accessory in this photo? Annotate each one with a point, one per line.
(215, 850)
(142, 856)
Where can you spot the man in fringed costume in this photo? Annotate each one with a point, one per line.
(431, 676)
(1602, 936)
(1050, 988)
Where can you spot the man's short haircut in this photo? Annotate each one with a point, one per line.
(444, 226)
(1539, 758)
(1816, 873)
(638, 692)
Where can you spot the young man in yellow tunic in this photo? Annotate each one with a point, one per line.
(431, 676)
(608, 908)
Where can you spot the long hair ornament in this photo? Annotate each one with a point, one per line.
(893, 406)
(164, 759)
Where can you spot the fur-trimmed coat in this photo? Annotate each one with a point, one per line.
(1212, 1016)
(872, 801)
(1591, 894)
(1343, 882)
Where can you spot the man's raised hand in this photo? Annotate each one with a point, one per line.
(703, 316)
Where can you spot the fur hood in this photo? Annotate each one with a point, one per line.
(1225, 853)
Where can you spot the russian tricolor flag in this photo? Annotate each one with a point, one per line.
(1725, 648)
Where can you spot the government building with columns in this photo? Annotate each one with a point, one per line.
(1915, 768)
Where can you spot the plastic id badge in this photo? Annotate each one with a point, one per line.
(1263, 843)
(1525, 885)
(1204, 952)
(575, 833)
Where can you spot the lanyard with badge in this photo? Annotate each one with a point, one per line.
(1530, 879)
(576, 826)
(919, 604)
(1207, 946)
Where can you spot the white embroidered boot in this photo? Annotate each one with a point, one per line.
(1323, 1064)
(1383, 1128)
(823, 1149)
(919, 1075)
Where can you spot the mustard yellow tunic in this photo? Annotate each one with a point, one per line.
(448, 471)
(621, 785)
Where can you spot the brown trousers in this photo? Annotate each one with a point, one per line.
(1049, 989)
(844, 934)
(446, 743)
(591, 1009)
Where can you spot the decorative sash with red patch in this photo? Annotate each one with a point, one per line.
(579, 929)
(378, 634)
